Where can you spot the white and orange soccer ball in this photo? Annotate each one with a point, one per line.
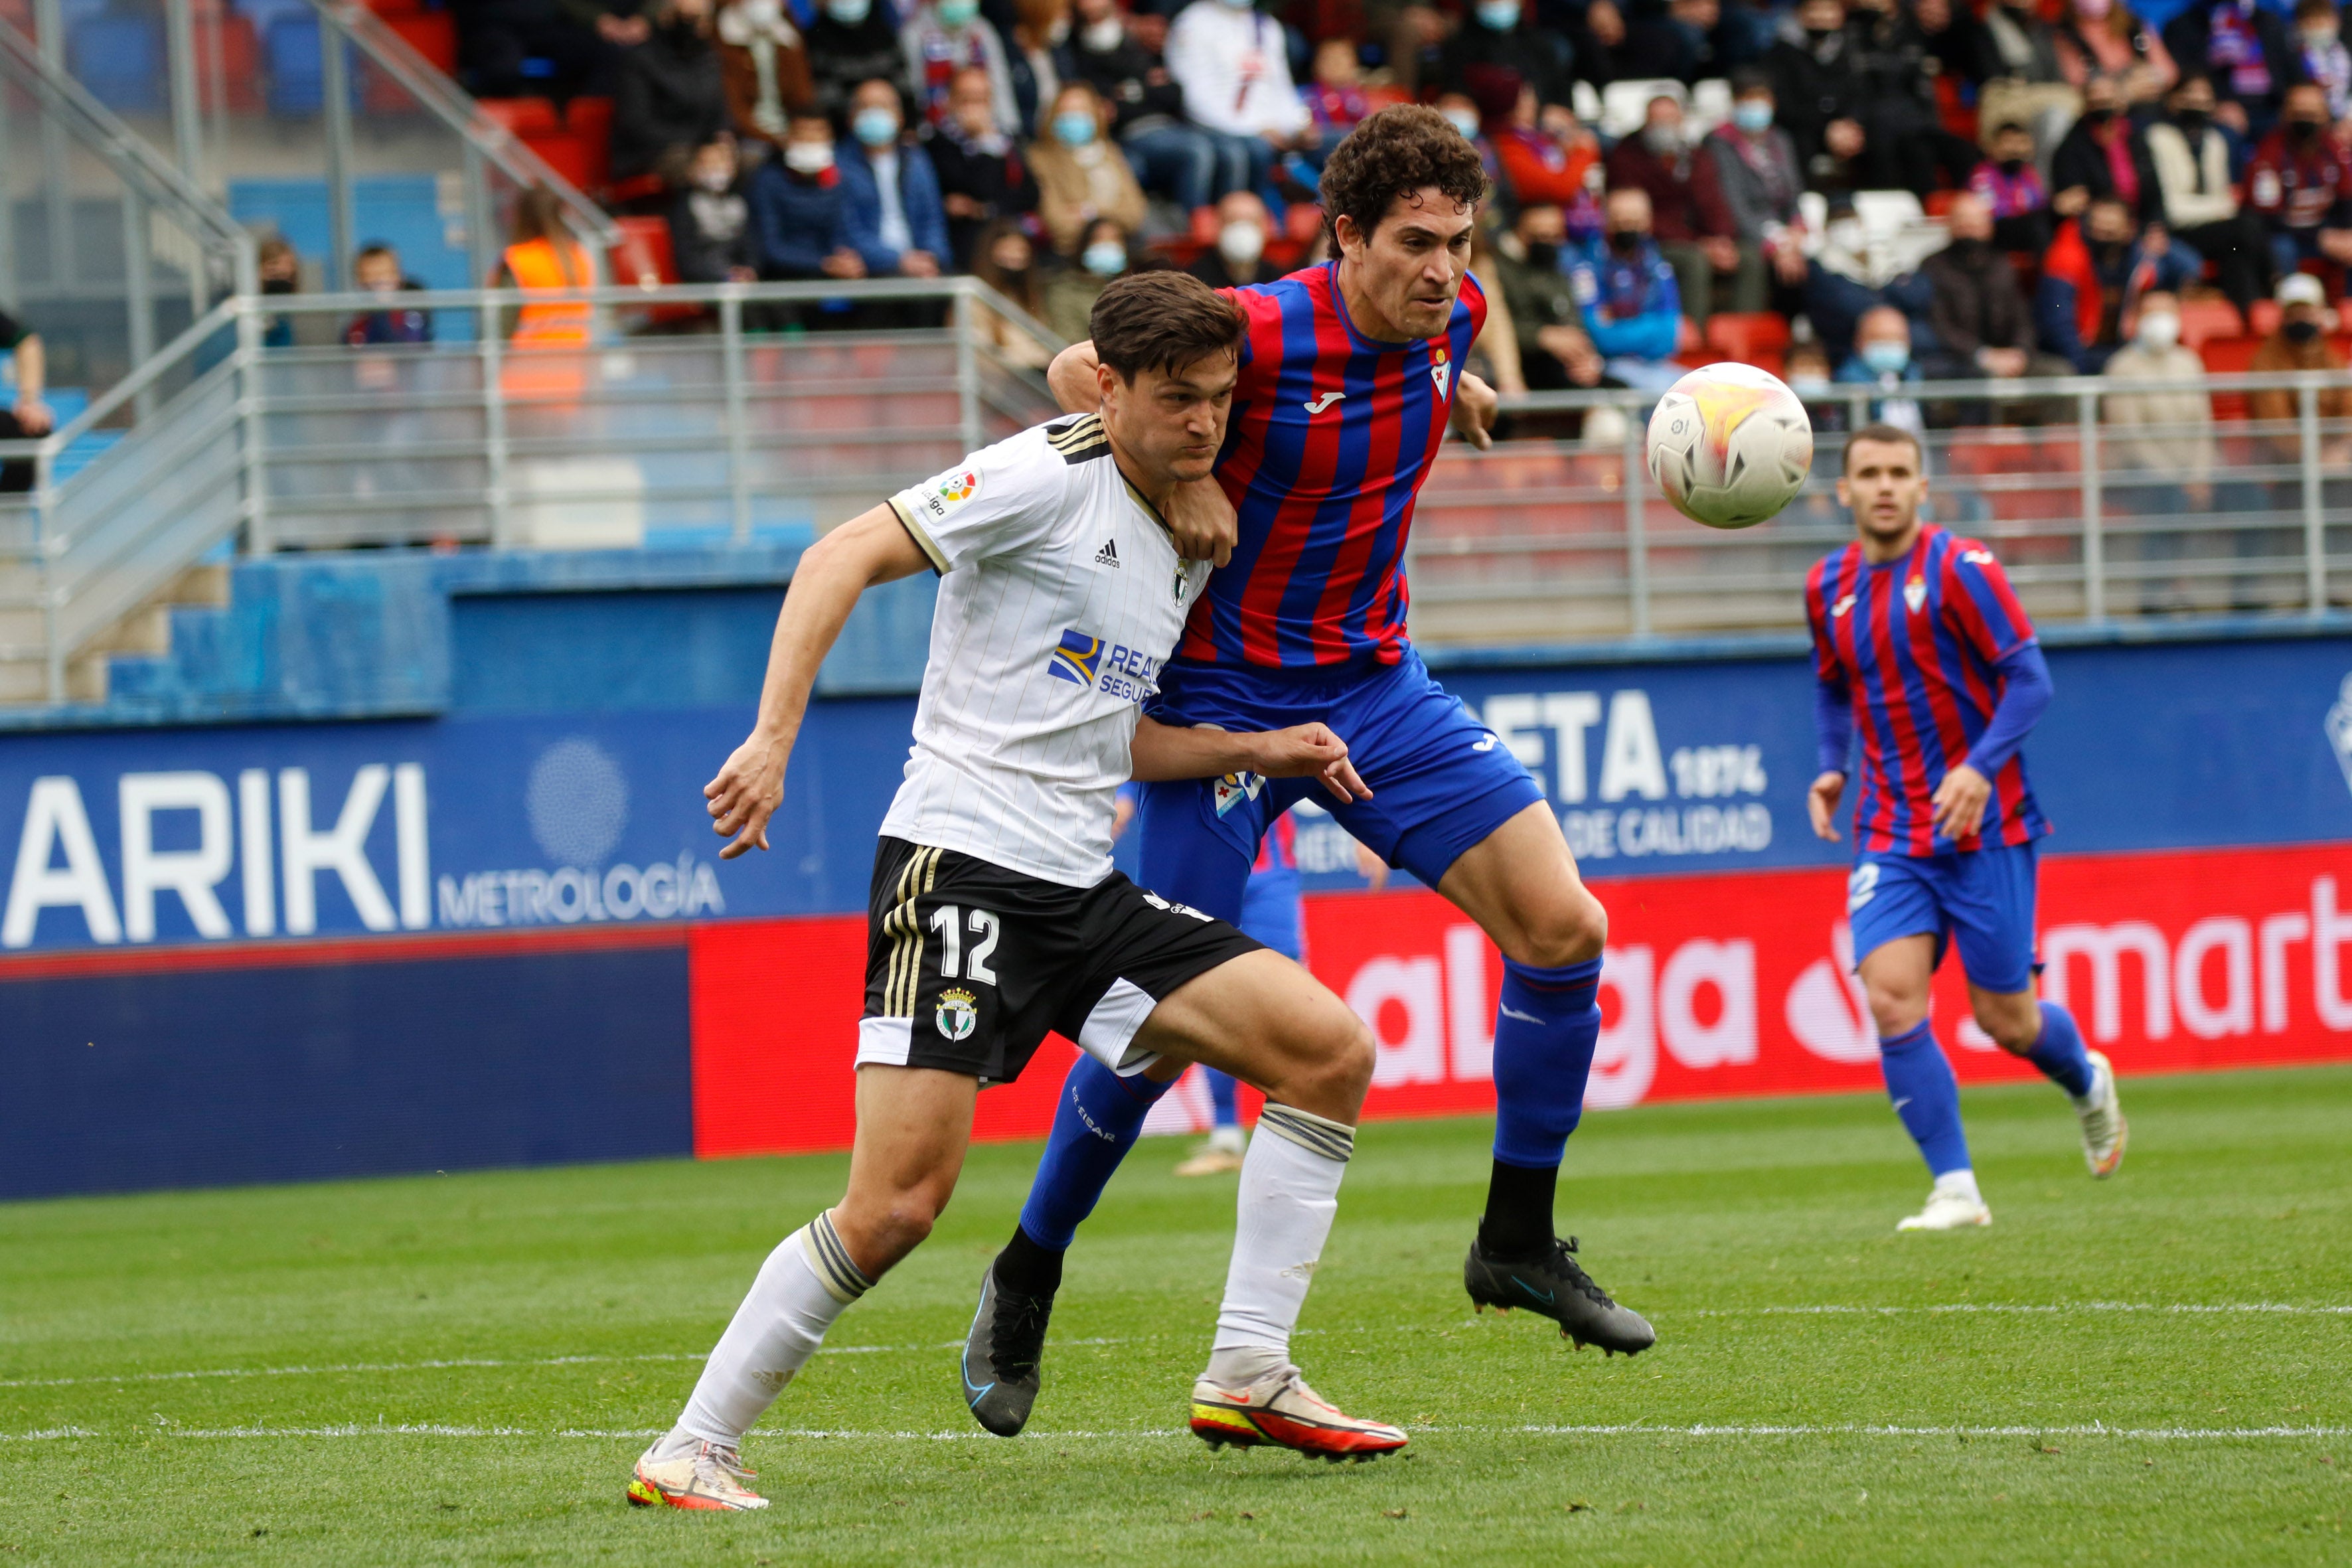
(1730, 444)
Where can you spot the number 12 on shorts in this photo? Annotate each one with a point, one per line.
(954, 963)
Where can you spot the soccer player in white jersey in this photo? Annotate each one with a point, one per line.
(995, 913)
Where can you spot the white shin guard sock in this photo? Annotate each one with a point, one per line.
(806, 1284)
(1289, 1194)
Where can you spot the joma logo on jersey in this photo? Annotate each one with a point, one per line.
(1320, 404)
(1077, 658)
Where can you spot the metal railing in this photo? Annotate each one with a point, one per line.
(756, 428)
(2118, 502)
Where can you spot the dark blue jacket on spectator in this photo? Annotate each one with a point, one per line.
(2058, 300)
(919, 194)
(1632, 307)
(796, 223)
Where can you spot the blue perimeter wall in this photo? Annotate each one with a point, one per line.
(482, 775)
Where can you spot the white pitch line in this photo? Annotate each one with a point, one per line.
(1627, 1430)
(2281, 1308)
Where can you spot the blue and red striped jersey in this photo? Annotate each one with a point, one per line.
(1277, 851)
(1913, 643)
(1330, 437)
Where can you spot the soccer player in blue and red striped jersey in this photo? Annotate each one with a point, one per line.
(1351, 372)
(1922, 652)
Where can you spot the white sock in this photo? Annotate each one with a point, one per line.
(806, 1284)
(1289, 1194)
(1962, 1182)
(1227, 1139)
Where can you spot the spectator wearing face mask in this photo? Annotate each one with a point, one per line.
(2008, 184)
(944, 36)
(1104, 253)
(1005, 259)
(2104, 157)
(1080, 175)
(710, 238)
(764, 66)
(1633, 310)
(668, 96)
(1555, 353)
(2300, 182)
(1238, 257)
(2318, 28)
(2093, 277)
(849, 42)
(1981, 323)
(1806, 368)
(1882, 359)
(2100, 37)
(2158, 448)
(982, 176)
(1334, 97)
(1501, 35)
(1818, 89)
(1234, 64)
(1119, 57)
(1757, 176)
(800, 222)
(2247, 53)
(890, 192)
(2300, 342)
(2200, 204)
(1688, 219)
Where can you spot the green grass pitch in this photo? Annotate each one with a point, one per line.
(457, 1369)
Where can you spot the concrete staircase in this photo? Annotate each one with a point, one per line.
(24, 682)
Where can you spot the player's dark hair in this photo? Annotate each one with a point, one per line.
(1161, 321)
(1404, 148)
(1884, 432)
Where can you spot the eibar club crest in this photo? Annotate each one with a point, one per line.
(1915, 593)
(957, 1012)
(1441, 373)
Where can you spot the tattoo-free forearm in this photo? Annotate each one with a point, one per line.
(1072, 378)
(1165, 751)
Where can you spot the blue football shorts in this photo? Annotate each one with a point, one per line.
(1270, 911)
(1982, 899)
(1439, 780)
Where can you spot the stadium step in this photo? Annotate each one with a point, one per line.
(145, 631)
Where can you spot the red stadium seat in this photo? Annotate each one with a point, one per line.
(570, 157)
(229, 63)
(2262, 319)
(2203, 318)
(643, 260)
(1380, 98)
(1750, 338)
(432, 34)
(523, 116)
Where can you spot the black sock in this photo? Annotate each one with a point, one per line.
(1518, 1222)
(1028, 1269)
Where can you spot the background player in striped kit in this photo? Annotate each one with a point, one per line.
(1920, 647)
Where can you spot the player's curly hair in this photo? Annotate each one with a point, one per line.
(1404, 148)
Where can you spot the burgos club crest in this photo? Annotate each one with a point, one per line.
(958, 1011)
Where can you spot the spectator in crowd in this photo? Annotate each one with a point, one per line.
(710, 238)
(763, 68)
(798, 214)
(2024, 47)
(1070, 294)
(890, 193)
(1495, 353)
(2159, 451)
(1904, 143)
(545, 262)
(2318, 28)
(1806, 368)
(515, 48)
(376, 270)
(982, 176)
(279, 268)
(2200, 205)
(2102, 37)
(2249, 53)
(1956, 41)
(1335, 99)
(1687, 214)
(2300, 182)
(1596, 40)
(1690, 40)
(944, 36)
(26, 417)
(2104, 157)
(1080, 175)
(1981, 324)
(1410, 34)
(1120, 58)
(1881, 358)
(2300, 342)
(2008, 184)
(1238, 257)
(2093, 277)
(1233, 63)
(1633, 310)
(1818, 90)
(1755, 172)
(1041, 28)
(1536, 167)
(668, 96)
(1499, 35)
(1555, 353)
(853, 41)
(1005, 259)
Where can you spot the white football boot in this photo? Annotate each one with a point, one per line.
(1953, 1203)
(676, 1473)
(2104, 1132)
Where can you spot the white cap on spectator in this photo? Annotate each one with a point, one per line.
(2302, 289)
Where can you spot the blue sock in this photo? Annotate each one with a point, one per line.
(1097, 1121)
(1546, 1024)
(1926, 1097)
(1220, 1098)
(2059, 1052)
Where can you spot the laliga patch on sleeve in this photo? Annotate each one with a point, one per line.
(934, 499)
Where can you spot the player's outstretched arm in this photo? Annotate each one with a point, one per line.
(1303, 751)
(1474, 403)
(872, 547)
(1072, 377)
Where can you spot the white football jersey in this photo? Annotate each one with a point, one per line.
(1061, 594)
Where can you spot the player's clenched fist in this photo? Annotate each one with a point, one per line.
(745, 794)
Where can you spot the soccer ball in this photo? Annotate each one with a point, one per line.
(1730, 444)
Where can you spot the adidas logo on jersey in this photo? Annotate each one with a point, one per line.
(1109, 554)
